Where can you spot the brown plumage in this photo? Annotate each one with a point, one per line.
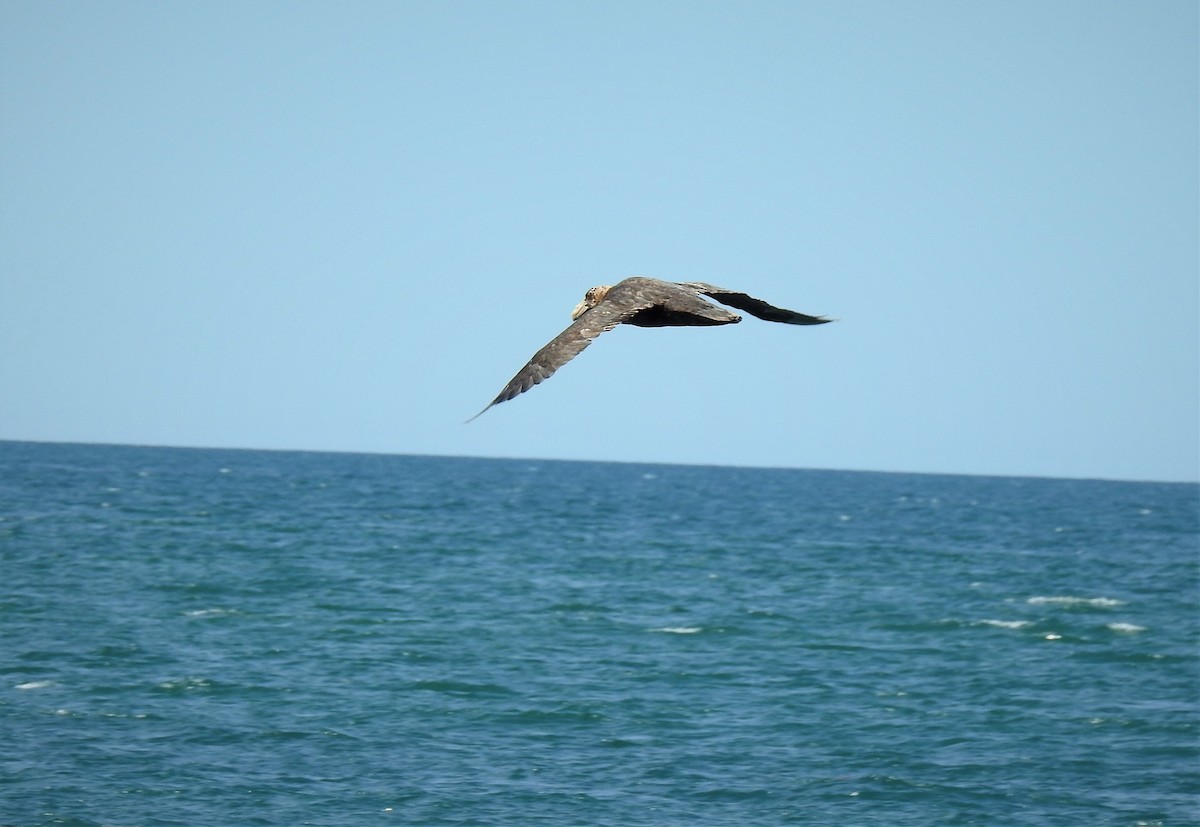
(643, 302)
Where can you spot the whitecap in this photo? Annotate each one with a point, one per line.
(1127, 628)
(678, 630)
(208, 612)
(185, 684)
(1003, 624)
(1067, 600)
(34, 685)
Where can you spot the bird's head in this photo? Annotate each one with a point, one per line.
(591, 298)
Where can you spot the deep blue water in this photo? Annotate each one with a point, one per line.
(197, 637)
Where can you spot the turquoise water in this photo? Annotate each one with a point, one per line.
(195, 637)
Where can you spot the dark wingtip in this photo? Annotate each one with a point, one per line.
(481, 413)
(801, 318)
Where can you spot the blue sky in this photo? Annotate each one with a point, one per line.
(344, 226)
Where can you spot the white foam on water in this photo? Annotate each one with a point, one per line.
(1126, 628)
(209, 612)
(1004, 624)
(678, 630)
(1068, 600)
(34, 685)
(185, 684)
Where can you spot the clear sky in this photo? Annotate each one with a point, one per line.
(345, 225)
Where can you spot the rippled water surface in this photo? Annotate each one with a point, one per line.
(248, 638)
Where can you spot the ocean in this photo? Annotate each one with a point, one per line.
(207, 637)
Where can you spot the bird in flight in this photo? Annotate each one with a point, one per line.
(643, 302)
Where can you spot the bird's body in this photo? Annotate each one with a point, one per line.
(643, 302)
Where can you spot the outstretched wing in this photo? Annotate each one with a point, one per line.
(753, 306)
(570, 343)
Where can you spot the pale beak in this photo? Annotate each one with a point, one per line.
(580, 309)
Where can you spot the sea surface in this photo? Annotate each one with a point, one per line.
(202, 637)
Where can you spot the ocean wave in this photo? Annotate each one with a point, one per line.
(34, 685)
(678, 630)
(1127, 628)
(209, 612)
(457, 687)
(1068, 600)
(1004, 624)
